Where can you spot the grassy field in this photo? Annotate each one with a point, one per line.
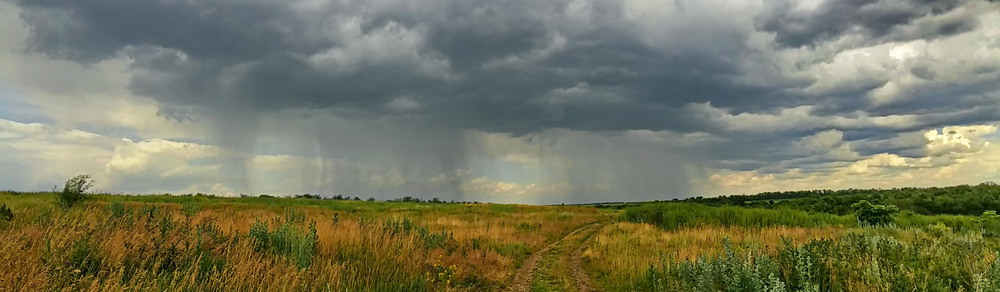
(142, 243)
(689, 247)
(131, 243)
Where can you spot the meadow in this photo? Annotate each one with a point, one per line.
(143, 243)
(208, 243)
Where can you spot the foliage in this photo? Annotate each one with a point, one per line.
(5, 213)
(75, 190)
(868, 261)
(991, 223)
(957, 200)
(873, 214)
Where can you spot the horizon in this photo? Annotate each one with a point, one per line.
(522, 102)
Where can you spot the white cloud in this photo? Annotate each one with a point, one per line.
(954, 155)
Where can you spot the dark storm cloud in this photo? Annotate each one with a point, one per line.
(256, 54)
(871, 18)
(510, 66)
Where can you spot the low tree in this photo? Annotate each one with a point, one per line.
(873, 214)
(75, 190)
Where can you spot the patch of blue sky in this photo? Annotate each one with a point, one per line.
(14, 108)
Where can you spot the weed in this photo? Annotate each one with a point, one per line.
(189, 209)
(119, 210)
(296, 245)
(525, 226)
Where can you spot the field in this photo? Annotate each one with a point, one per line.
(141, 243)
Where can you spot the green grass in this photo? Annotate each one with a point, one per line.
(672, 216)
(886, 259)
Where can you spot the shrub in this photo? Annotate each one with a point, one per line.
(873, 214)
(991, 223)
(75, 190)
(6, 214)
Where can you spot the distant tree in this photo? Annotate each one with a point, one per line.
(371, 199)
(75, 190)
(873, 214)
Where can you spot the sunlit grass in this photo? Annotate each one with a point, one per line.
(130, 243)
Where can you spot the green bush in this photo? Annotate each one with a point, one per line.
(873, 214)
(991, 223)
(75, 191)
(6, 214)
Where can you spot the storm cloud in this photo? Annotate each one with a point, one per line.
(642, 96)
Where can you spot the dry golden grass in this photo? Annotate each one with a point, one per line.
(354, 252)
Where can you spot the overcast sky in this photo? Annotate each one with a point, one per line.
(502, 101)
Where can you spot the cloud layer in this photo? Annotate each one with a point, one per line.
(578, 100)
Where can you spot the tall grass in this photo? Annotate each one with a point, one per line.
(674, 216)
(116, 243)
(868, 260)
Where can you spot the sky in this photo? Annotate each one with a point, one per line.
(535, 102)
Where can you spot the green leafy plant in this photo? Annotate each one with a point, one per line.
(118, 210)
(6, 214)
(991, 223)
(75, 190)
(874, 214)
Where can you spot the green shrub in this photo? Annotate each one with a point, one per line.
(991, 223)
(6, 214)
(75, 191)
(873, 214)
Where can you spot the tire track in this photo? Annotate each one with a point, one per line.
(523, 280)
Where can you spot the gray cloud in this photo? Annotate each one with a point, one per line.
(758, 75)
(876, 20)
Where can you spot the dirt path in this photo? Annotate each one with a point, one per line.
(576, 259)
(567, 251)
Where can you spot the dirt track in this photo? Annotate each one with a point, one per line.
(570, 257)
